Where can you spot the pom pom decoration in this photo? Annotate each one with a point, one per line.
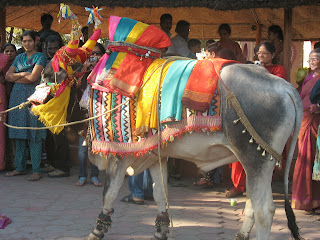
(65, 13)
(94, 16)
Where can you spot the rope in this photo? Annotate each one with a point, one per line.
(232, 100)
(67, 124)
(168, 59)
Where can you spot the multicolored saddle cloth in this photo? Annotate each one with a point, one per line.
(158, 90)
(115, 133)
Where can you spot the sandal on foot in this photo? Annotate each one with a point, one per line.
(34, 177)
(129, 199)
(81, 181)
(95, 181)
(201, 182)
(14, 173)
(233, 193)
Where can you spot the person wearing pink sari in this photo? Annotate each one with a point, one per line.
(4, 65)
(305, 191)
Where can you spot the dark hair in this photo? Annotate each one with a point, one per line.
(46, 16)
(225, 26)
(9, 44)
(317, 45)
(101, 47)
(84, 28)
(316, 51)
(193, 42)
(269, 46)
(54, 38)
(181, 24)
(276, 29)
(32, 34)
(213, 47)
(165, 16)
(210, 41)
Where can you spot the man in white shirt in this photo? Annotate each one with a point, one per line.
(179, 43)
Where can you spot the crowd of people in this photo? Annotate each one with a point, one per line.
(20, 72)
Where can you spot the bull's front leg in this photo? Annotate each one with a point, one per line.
(116, 170)
(159, 190)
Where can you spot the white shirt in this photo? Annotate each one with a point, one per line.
(179, 46)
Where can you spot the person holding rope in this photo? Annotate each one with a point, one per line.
(25, 74)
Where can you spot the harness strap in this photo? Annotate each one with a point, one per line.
(233, 101)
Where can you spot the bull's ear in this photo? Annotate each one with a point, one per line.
(61, 75)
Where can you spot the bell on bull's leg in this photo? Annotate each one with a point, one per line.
(162, 224)
(103, 224)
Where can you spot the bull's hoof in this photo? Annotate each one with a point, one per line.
(94, 236)
(240, 236)
(157, 238)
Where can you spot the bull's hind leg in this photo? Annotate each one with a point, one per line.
(248, 221)
(115, 175)
(260, 194)
(162, 220)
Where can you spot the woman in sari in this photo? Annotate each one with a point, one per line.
(305, 191)
(25, 73)
(225, 42)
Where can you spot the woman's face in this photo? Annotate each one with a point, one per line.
(314, 61)
(210, 54)
(272, 36)
(11, 52)
(224, 35)
(96, 55)
(265, 57)
(28, 43)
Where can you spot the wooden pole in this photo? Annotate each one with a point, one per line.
(2, 26)
(287, 41)
(258, 34)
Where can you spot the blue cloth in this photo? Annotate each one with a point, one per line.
(173, 87)
(21, 155)
(83, 158)
(140, 185)
(19, 94)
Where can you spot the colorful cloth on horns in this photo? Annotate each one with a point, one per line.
(115, 133)
(202, 83)
(123, 70)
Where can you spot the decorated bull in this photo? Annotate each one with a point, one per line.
(230, 112)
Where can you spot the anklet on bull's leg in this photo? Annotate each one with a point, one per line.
(104, 220)
(162, 224)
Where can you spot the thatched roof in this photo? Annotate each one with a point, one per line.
(204, 15)
(211, 4)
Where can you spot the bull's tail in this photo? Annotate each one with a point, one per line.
(292, 224)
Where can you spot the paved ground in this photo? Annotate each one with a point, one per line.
(56, 209)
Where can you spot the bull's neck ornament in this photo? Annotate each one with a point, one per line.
(232, 101)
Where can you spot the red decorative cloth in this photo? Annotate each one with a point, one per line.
(128, 78)
(202, 83)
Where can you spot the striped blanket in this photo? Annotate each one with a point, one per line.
(116, 132)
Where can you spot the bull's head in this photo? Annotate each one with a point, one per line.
(48, 75)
